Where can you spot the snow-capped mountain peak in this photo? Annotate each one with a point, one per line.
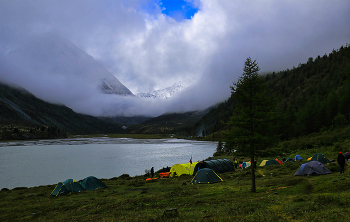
(164, 93)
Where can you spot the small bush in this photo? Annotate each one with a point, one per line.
(124, 177)
(20, 188)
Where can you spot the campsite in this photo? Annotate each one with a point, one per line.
(280, 196)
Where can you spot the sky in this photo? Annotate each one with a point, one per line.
(152, 44)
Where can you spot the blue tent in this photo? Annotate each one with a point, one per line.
(298, 157)
(312, 168)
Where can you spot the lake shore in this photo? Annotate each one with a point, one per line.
(280, 196)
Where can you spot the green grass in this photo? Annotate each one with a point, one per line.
(280, 196)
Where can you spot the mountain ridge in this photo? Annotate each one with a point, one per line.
(49, 59)
(19, 109)
(165, 93)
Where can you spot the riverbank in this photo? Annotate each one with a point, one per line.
(280, 196)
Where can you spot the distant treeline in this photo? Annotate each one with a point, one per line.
(30, 132)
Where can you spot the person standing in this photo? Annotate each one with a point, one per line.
(341, 161)
(244, 165)
(152, 172)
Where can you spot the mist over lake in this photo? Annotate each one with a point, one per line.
(44, 162)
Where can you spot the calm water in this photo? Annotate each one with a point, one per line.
(43, 162)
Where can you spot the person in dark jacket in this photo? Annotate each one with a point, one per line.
(341, 161)
(152, 172)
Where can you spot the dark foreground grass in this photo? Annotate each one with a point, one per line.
(280, 196)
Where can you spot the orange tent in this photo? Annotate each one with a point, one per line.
(164, 174)
(279, 161)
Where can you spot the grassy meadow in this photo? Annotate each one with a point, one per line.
(280, 196)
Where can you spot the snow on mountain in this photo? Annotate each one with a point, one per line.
(53, 57)
(164, 93)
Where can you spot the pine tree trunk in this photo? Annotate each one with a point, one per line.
(252, 166)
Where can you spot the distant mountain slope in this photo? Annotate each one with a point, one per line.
(53, 55)
(179, 123)
(20, 108)
(164, 93)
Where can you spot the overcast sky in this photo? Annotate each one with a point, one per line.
(152, 44)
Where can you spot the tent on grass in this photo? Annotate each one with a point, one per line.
(92, 183)
(184, 168)
(347, 155)
(289, 160)
(320, 158)
(312, 168)
(206, 175)
(66, 187)
(279, 161)
(269, 162)
(219, 165)
(298, 157)
(263, 163)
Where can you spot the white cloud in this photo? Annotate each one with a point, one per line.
(147, 50)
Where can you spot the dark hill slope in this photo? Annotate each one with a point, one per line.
(179, 123)
(313, 96)
(19, 108)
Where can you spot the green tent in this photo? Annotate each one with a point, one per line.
(66, 187)
(289, 159)
(269, 162)
(272, 162)
(206, 175)
(219, 166)
(320, 158)
(92, 183)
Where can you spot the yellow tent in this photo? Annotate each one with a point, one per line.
(263, 163)
(184, 168)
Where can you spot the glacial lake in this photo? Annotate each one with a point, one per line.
(45, 162)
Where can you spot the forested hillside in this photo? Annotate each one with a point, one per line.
(23, 116)
(313, 96)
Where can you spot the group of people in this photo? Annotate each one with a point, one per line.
(243, 165)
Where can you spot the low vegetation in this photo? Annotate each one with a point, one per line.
(280, 196)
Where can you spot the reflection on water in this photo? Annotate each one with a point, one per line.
(41, 162)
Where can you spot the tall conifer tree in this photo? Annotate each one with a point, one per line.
(252, 120)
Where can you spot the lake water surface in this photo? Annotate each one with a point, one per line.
(43, 162)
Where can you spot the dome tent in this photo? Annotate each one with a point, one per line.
(263, 163)
(184, 168)
(297, 157)
(66, 187)
(312, 168)
(269, 162)
(289, 160)
(206, 175)
(320, 158)
(92, 183)
(219, 165)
